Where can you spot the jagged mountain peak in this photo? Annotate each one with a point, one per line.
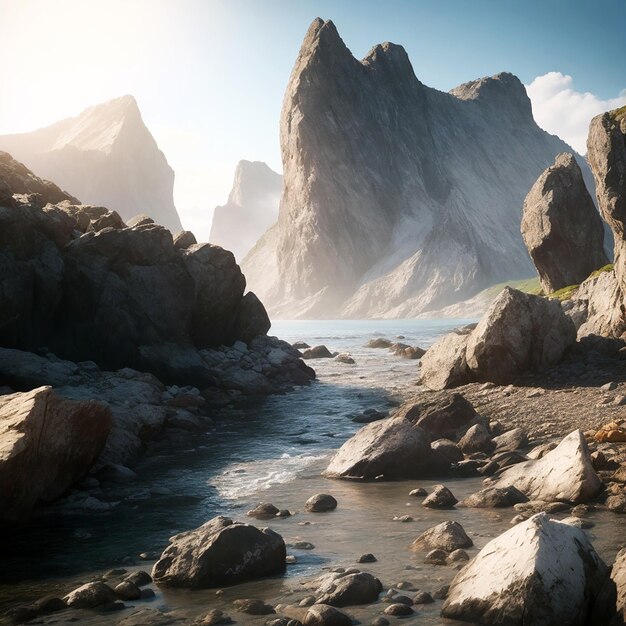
(501, 90)
(252, 178)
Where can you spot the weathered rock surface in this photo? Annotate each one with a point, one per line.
(106, 156)
(561, 226)
(494, 497)
(425, 213)
(339, 589)
(47, 443)
(320, 503)
(518, 333)
(448, 536)
(539, 572)
(90, 595)
(392, 448)
(220, 552)
(251, 209)
(565, 473)
(440, 498)
(325, 615)
(447, 415)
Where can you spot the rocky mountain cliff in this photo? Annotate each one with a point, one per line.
(107, 157)
(251, 209)
(397, 198)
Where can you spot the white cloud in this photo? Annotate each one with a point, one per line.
(565, 112)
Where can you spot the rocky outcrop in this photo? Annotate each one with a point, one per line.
(519, 332)
(142, 406)
(251, 209)
(561, 226)
(107, 157)
(47, 443)
(540, 572)
(75, 279)
(447, 536)
(220, 552)
(565, 474)
(416, 210)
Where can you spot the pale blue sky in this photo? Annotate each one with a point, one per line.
(209, 75)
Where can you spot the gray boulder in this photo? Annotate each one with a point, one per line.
(392, 448)
(448, 536)
(539, 572)
(90, 595)
(564, 474)
(561, 226)
(444, 364)
(494, 497)
(445, 416)
(325, 615)
(340, 589)
(220, 552)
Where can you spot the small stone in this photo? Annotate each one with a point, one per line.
(139, 578)
(422, 597)
(302, 545)
(325, 615)
(263, 510)
(403, 518)
(440, 498)
(609, 386)
(213, 618)
(367, 558)
(380, 621)
(441, 593)
(308, 601)
(403, 600)
(458, 555)
(420, 492)
(290, 559)
(127, 590)
(320, 503)
(436, 557)
(399, 610)
(252, 606)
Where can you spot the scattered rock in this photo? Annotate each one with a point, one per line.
(436, 557)
(399, 610)
(422, 597)
(264, 510)
(127, 590)
(494, 497)
(324, 615)
(379, 343)
(448, 536)
(320, 503)
(367, 558)
(511, 440)
(345, 357)
(611, 433)
(90, 595)
(220, 552)
(458, 555)
(347, 589)
(253, 607)
(318, 352)
(440, 498)
(477, 439)
(564, 474)
(420, 492)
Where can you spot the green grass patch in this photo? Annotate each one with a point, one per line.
(527, 285)
(606, 268)
(565, 293)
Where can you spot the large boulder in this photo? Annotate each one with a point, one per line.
(519, 332)
(561, 226)
(47, 443)
(540, 572)
(565, 473)
(220, 552)
(392, 448)
(444, 365)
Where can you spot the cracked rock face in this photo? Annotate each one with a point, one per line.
(561, 227)
(540, 572)
(397, 198)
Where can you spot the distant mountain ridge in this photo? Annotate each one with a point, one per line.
(397, 198)
(104, 156)
(251, 209)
